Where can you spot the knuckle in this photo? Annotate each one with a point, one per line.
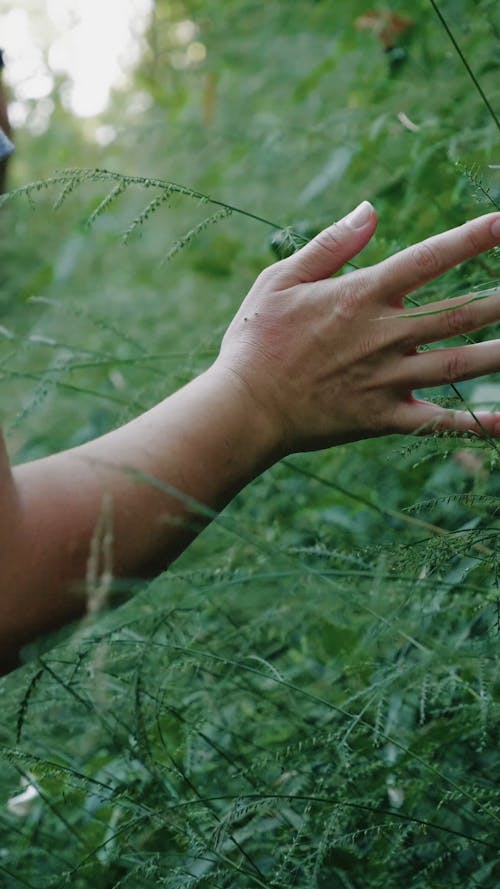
(425, 258)
(473, 239)
(330, 239)
(367, 347)
(455, 367)
(380, 418)
(457, 321)
(349, 294)
(271, 274)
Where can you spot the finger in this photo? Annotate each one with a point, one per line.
(451, 317)
(331, 249)
(425, 418)
(409, 269)
(439, 366)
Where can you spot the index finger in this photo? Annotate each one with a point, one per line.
(398, 275)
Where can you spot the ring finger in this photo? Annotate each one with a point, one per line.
(439, 366)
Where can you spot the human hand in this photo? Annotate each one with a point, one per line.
(331, 360)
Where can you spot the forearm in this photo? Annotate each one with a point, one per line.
(157, 479)
(308, 362)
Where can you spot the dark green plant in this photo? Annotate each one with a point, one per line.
(309, 697)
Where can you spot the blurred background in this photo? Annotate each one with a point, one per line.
(314, 684)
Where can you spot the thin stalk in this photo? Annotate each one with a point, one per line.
(318, 699)
(464, 61)
(333, 801)
(79, 176)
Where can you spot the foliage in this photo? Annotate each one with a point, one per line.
(309, 697)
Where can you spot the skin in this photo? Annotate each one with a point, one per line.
(308, 362)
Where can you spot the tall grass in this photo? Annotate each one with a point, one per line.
(309, 697)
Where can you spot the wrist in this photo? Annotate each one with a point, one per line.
(252, 435)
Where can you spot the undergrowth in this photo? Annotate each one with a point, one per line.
(309, 697)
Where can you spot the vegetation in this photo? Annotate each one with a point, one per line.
(309, 696)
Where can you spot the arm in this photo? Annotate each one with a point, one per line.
(308, 362)
(144, 480)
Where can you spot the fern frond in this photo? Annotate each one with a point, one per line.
(72, 177)
(481, 190)
(146, 213)
(195, 231)
(67, 190)
(104, 205)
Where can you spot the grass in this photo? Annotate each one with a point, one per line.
(309, 697)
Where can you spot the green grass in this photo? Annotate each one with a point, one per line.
(309, 697)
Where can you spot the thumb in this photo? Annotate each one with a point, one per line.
(334, 246)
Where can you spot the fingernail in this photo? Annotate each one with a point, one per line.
(495, 228)
(358, 217)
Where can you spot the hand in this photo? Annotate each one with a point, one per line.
(308, 361)
(334, 360)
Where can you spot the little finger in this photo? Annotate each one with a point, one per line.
(424, 418)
